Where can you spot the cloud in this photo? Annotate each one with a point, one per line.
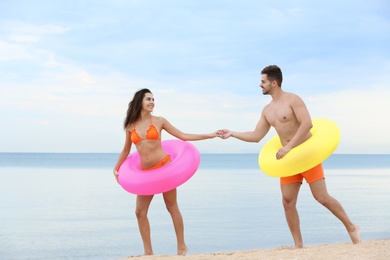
(360, 114)
(64, 68)
(22, 32)
(13, 52)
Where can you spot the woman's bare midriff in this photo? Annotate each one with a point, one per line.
(150, 152)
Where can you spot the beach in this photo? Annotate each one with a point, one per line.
(68, 206)
(373, 250)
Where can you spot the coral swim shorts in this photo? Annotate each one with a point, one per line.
(312, 175)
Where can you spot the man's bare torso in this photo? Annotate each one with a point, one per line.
(280, 114)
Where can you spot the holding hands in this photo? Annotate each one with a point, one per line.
(224, 133)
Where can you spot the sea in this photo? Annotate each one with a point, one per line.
(69, 206)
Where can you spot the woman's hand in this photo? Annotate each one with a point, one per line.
(217, 133)
(116, 174)
(224, 133)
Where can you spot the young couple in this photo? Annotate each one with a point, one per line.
(286, 112)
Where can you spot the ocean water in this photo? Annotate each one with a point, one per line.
(69, 206)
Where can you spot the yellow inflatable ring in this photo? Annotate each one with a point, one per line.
(324, 140)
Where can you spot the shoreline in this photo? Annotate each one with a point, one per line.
(371, 249)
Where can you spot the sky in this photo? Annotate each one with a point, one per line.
(68, 69)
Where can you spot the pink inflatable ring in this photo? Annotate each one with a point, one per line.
(185, 161)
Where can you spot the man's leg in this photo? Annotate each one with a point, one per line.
(290, 196)
(320, 193)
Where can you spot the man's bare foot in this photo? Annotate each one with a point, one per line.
(355, 234)
(183, 251)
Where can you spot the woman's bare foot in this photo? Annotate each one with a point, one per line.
(355, 235)
(148, 252)
(182, 252)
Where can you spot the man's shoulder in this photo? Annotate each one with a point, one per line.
(292, 96)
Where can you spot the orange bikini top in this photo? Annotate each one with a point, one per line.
(151, 134)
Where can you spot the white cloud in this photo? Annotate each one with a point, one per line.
(29, 32)
(13, 52)
(361, 115)
(62, 72)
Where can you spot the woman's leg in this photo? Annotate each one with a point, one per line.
(141, 211)
(170, 200)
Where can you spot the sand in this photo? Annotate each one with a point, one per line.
(373, 250)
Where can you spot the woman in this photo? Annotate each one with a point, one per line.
(144, 130)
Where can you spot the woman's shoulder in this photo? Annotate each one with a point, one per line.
(130, 127)
(158, 119)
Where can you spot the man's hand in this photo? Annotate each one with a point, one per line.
(224, 133)
(282, 152)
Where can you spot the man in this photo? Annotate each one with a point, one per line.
(288, 114)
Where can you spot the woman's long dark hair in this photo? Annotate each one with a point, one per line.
(135, 106)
